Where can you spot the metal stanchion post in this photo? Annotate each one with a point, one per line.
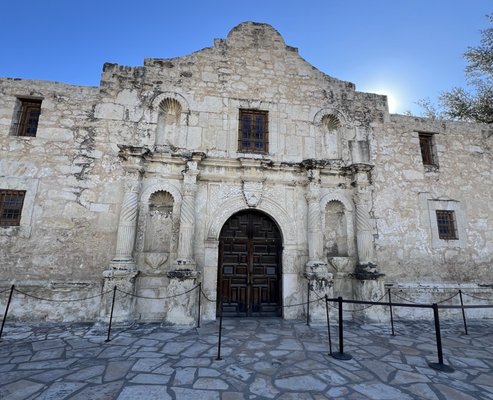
(391, 314)
(220, 332)
(308, 306)
(463, 311)
(341, 355)
(111, 314)
(328, 323)
(440, 366)
(7, 309)
(200, 297)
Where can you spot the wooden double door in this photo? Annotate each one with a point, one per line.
(249, 273)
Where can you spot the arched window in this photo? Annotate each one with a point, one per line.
(331, 127)
(168, 123)
(336, 237)
(159, 224)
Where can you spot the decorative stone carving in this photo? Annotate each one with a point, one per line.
(156, 260)
(252, 192)
(187, 217)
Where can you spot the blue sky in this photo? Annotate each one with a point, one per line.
(408, 49)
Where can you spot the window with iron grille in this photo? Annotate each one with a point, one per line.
(253, 135)
(28, 117)
(447, 228)
(426, 145)
(11, 202)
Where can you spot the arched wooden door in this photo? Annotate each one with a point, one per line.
(249, 273)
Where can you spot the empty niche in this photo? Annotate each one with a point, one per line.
(168, 122)
(159, 224)
(330, 128)
(335, 230)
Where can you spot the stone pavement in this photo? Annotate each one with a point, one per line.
(262, 359)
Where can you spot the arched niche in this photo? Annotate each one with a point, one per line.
(338, 225)
(170, 113)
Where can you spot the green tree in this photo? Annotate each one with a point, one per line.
(475, 103)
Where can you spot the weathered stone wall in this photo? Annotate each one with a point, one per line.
(343, 180)
(405, 191)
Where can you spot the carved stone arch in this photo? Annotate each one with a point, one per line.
(170, 112)
(343, 119)
(344, 199)
(144, 209)
(349, 214)
(234, 205)
(332, 133)
(185, 107)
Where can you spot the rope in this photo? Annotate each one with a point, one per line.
(157, 298)
(61, 300)
(475, 297)
(203, 294)
(447, 299)
(6, 290)
(403, 298)
(371, 305)
(299, 304)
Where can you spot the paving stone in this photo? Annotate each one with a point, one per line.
(87, 373)
(263, 387)
(60, 390)
(210, 383)
(238, 372)
(192, 394)
(19, 390)
(147, 392)
(151, 379)
(454, 394)
(147, 364)
(380, 391)
(300, 382)
(48, 344)
(48, 354)
(184, 376)
(117, 370)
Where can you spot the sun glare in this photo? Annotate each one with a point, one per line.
(391, 99)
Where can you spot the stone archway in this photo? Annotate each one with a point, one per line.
(249, 279)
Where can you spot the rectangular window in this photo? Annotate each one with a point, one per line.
(426, 145)
(28, 117)
(11, 202)
(253, 131)
(447, 228)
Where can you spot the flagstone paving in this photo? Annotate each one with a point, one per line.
(261, 359)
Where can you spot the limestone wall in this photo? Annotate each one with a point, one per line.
(406, 192)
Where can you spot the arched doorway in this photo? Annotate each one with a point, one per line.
(249, 273)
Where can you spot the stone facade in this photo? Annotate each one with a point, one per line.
(129, 184)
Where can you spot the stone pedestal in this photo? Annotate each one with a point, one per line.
(320, 283)
(124, 303)
(182, 309)
(371, 290)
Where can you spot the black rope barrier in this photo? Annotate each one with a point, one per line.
(218, 358)
(61, 300)
(111, 313)
(207, 298)
(476, 297)
(158, 298)
(440, 366)
(12, 288)
(463, 311)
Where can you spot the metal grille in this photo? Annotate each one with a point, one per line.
(28, 117)
(426, 144)
(253, 131)
(446, 225)
(11, 202)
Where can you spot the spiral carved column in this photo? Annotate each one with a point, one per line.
(320, 280)
(122, 270)
(187, 217)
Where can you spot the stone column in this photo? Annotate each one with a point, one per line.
(316, 269)
(122, 269)
(187, 217)
(368, 286)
